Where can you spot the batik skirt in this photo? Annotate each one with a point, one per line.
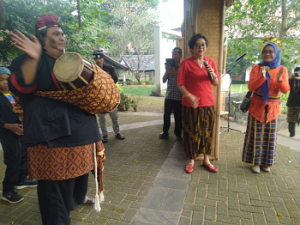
(63, 163)
(198, 130)
(260, 142)
(293, 114)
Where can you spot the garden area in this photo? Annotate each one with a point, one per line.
(138, 98)
(143, 98)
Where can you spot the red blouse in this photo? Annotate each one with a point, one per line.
(196, 81)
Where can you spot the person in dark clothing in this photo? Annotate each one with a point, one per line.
(293, 103)
(173, 97)
(99, 59)
(15, 156)
(60, 137)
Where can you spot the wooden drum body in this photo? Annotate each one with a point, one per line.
(73, 71)
(85, 85)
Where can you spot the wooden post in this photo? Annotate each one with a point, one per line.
(207, 18)
(180, 44)
(224, 59)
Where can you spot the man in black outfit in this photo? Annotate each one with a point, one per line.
(60, 137)
(293, 103)
(99, 59)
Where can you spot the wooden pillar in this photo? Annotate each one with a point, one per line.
(180, 44)
(207, 17)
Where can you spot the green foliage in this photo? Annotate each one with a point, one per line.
(238, 82)
(124, 102)
(156, 91)
(249, 22)
(134, 102)
(284, 98)
(22, 15)
(130, 32)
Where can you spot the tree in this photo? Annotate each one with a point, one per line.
(130, 32)
(249, 22)
(22, 15)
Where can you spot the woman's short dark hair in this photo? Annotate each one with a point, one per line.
(178, 49)
(296, 69)
(194, 39)
(41, 34)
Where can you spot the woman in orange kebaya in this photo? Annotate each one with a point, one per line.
(267, 80)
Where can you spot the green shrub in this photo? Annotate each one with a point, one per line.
(148, 82)
(238, 82)
(125, 102)
(156, 91)
(284, 98)
(134, 102)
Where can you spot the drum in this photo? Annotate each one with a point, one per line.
(99, 96)
(73, 71)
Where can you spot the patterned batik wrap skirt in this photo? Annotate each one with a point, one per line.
(198, 130)
(260, 142)
(293, 114)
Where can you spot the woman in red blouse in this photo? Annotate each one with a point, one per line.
(195, 82)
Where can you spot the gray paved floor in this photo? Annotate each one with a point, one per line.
(145, 183)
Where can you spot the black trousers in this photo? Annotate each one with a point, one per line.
(292, 129)
(15, 159)
(169, 106)
(58, 198)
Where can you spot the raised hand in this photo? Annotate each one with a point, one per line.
(209, 69)
(31, 47)
(279, 75)
(263, 71)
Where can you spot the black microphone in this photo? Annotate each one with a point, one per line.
(209, 75)
(241, 56)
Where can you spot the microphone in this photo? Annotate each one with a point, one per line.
(209, 75)
(241, 56)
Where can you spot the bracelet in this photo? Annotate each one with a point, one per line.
(215, 77)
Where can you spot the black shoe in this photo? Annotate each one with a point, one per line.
(12, 197)
(120, 136)
(105, 139)
(27, 183)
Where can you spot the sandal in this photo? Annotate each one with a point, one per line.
(89, 200)
(105, 139)
(189, 168)
(210, 167)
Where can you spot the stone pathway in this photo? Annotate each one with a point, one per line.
(145, 183)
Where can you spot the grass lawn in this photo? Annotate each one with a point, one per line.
(239, 88)
(145, 90)
(138, 90)
(150, 104)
